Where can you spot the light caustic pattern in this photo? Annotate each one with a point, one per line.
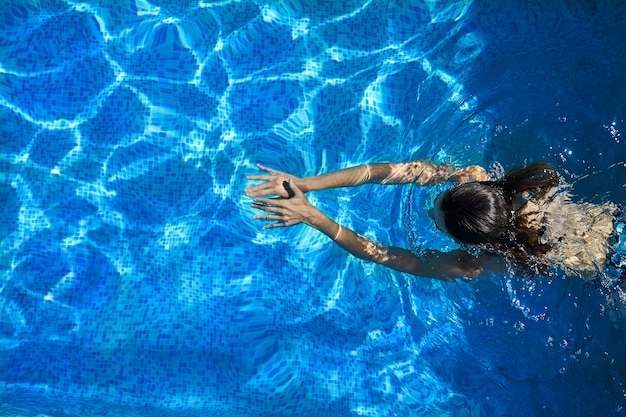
(130, 269)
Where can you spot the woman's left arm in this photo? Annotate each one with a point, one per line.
(418, 172)
(432, 263)
(424, 172)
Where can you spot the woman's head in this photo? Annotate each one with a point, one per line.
(474, 213)
(483, 213)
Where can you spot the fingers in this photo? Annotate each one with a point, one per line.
(259, 177)
(258, 190)
(265, 190)
(270, 187)
(255, 191)
(269, 207)
(276, 208)
(280, 223)
(274, 225)
(274, 202)
(270, 170)
(274, 217)
(277, 213)
(263, 207)
(278, 218)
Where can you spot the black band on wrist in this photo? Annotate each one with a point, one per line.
(290, 192)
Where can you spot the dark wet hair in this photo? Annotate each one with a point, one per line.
(482, 213)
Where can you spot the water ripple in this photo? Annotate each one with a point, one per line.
(130, 269)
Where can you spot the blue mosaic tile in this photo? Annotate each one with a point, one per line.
(214, 75)
(58, 95)
(45, 47)
(404, 91)
(133, 280)
(19, 16)
(117, 15)
(10, 205)
(360, 30)
(49, 147)
(232, 16)
(15, 132)
(47, 190)
(165, 56)
(120, 117)
(183, 99)
(160, 193)
(407, 19)
(259, 105)
(201, 31)
(261, 46)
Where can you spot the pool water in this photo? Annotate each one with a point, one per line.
(133, 280)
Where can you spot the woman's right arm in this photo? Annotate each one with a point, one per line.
(420, 172)
(431, 263)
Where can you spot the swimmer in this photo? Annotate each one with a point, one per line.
(525, 219)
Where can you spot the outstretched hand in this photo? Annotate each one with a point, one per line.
(472, 172)
(273, 184)
(285, 212)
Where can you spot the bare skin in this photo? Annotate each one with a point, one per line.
(423, 173)
(285, 212)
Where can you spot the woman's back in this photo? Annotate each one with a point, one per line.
(577, 233)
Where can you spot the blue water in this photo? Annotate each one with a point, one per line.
(134, 282)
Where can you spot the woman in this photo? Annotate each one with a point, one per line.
(523, 219)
